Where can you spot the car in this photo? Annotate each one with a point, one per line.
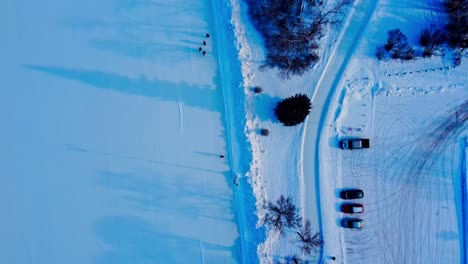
(352, 194)
(353, 208)
(354, 143)
(354, 223)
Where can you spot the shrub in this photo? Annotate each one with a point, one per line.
(257, 89)
(293, 110)
(282, 214)
(264, 132)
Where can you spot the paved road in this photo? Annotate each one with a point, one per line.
(322, 98)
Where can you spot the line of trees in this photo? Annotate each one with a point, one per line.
(454, 34)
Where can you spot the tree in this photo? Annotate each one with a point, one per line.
(395, 39)
(282, 214)
(293, 110)
(396, 46)
(432, 37)
(457, 26)
(291, 30)
(309, 242)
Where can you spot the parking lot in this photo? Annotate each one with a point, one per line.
(411, 177)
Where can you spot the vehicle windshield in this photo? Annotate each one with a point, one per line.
(357, 209)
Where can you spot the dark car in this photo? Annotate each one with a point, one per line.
(353, 208)
(356, 143)
(352, 223)
(352, 194)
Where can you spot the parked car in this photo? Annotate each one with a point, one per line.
(353, 208)
(355, 143)
(352, 223)
(352, 194)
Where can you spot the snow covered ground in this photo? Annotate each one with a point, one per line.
(278, 159)
(415, 114)
(112, 124)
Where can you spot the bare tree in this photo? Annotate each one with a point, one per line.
(282, 214)
(291, 30)
(457, 26)
(395, 39)
(333, 15)
(396, 46)
(309, 242)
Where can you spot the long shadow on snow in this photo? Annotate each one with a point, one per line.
(135, 240)
(195, 96)
(168, 216)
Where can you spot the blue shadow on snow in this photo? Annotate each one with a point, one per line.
(199, 97)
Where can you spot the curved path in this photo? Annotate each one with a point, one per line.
(323, 96)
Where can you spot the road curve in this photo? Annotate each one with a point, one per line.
(323, 96)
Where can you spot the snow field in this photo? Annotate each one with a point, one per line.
(112, 127)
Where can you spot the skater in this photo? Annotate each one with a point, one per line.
(204, 43)
(204, 52)
(207, 35)
(333, 258)
(221, 156)
(199, 49)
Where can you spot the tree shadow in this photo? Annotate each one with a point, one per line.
(133, 240)
(170, 217)
(264, 107)
(144, 49)
(191, 95)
